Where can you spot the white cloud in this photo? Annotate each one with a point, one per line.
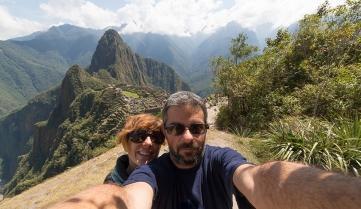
(11, 26)
(190, 16)
(167, 16)
(280, 13)
(181, 17)
(79, 12)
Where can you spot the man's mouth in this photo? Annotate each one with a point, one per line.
(187, 150)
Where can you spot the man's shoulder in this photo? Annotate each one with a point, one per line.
(210, 149)
(222, 154)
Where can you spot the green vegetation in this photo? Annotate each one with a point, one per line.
(130, 94)
(312, 76)
(312, 141)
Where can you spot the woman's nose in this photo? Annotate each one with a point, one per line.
(147, 141)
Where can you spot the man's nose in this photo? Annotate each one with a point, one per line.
(187, 136)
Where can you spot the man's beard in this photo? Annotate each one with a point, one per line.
(184, 160)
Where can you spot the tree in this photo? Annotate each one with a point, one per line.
(240, 50)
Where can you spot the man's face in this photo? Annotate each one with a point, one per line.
(185, 149)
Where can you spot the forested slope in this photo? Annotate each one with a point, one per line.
(304, 91)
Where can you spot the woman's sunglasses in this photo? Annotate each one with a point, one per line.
(177, 129)
(139, 136)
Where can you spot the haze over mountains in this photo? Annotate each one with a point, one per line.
(60, 47)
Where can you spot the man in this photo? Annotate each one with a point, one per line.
(193, 175)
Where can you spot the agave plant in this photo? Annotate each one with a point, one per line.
(319, 143)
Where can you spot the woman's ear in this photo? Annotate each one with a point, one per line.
(163, 130)
(126, 145)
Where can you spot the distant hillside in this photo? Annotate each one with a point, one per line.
(16, 129)
(83, 114)
(24, 73)
(32, 64)
(74, 44)
(162, 48)
(215, 45)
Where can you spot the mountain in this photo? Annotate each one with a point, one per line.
(61, 46)
(121, 63)
(78, 120)
(32, 64)
(162, 48)
(74, 44)
(190, 56)
(24, 73)
(215, 45)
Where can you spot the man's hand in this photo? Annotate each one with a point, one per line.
(107, 196)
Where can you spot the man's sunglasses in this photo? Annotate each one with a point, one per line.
(177, 129)
(139, 136)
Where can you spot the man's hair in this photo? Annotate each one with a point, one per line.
(145, 122)
(184, 98)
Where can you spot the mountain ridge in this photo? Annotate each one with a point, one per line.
(62, 46)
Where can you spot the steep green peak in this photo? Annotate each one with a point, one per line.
(109, 50)
(112, 39)
(112, 36)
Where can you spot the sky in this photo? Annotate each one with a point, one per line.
(174, 17)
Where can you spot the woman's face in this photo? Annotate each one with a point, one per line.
(143, 147)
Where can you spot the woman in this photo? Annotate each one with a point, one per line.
(142, 138)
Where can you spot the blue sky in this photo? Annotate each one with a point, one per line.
(179, 17)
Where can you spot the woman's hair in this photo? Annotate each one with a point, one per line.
(138, 122)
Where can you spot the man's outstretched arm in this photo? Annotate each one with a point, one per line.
(108, 196)
(285, 185)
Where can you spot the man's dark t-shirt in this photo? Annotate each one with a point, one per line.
(208, 185)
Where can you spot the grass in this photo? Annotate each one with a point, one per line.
(70, 182)
(331, 146)
(130, 94)
(241, 132)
